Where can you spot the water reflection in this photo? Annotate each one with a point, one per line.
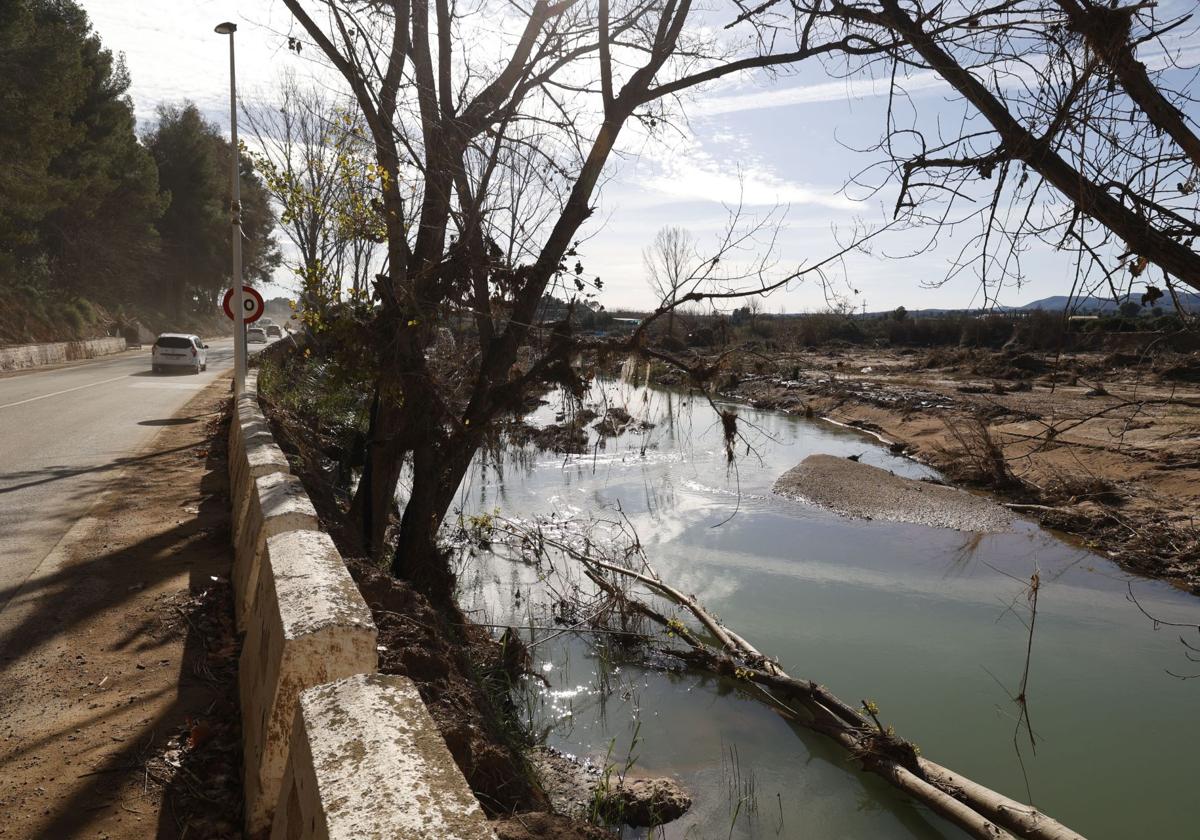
(916, 619)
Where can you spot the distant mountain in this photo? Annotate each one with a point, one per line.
(1190, 301)
(1058, 303)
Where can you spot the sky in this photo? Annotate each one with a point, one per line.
(787, 147)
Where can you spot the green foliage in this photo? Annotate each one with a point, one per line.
(323, 175)
(320, 390)
(89, 212)
(193, 162)
(80, 194)
(74, 321)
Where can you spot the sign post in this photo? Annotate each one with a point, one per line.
(244, 308)
(235, 212)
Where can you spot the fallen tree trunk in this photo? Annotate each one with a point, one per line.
(977, 809)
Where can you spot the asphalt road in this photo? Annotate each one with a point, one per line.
(63, 433)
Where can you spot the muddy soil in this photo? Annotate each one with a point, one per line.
(1097, 445)
(118, 717)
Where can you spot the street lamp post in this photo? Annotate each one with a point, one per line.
(235, 212)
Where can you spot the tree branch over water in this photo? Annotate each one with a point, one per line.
(617, 565)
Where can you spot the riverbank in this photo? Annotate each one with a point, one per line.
(1093, 445)
(859, 606)
(466, 677)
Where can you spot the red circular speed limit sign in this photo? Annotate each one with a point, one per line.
(252, 305)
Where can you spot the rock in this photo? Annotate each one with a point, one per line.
(642, 803)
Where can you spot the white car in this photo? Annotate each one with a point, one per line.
(256, 335)
(179, 350)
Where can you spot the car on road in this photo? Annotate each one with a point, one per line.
(274, 331)
(178, 350)
(256, 335)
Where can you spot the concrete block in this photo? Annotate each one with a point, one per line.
(277, 503)
(246, 411)
(309, 625)
(259, 456)
(368, 763)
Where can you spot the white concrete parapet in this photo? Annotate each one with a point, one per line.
(330, 748)
(276, 503)
(309, 625)
(368, 763)
(252, 452)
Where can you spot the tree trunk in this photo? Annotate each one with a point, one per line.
(437, 473)
(371, 508)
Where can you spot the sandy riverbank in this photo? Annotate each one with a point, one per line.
(865, 492)
(1095, 445)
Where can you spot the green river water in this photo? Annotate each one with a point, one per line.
(926, 622)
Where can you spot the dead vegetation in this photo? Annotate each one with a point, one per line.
(974, 457)
(675, 625)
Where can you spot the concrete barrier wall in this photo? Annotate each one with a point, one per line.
(276, 503)
(395, 777)
(252, 450)
(330, 748)
(309, 625)
(22, 356)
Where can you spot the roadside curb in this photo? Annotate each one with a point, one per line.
(331, 748)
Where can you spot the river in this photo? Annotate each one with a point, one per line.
(928, 623)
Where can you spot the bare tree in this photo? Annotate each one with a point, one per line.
(1056, 130)
(506, 132)
(311, 150)
(670, 260)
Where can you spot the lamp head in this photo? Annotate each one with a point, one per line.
(226, 28)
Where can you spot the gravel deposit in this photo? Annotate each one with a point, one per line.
(865, 492)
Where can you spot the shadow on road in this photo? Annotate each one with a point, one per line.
(59, 472)
(170, 421)
(172, 584)
(181, 371)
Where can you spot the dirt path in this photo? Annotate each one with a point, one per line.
(117, 657)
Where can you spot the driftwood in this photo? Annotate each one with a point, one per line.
(978, 810)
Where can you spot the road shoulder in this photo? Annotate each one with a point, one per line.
(119, 656)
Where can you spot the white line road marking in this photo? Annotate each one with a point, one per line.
(67, 391)
(179, 386)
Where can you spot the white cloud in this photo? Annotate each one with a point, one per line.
(690, 179)
(717, 168)
(810, 94)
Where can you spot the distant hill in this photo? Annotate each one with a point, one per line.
(1190, 301)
